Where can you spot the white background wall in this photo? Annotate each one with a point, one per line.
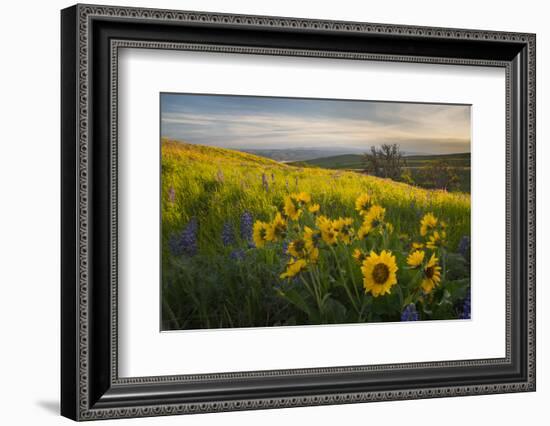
(29, 211)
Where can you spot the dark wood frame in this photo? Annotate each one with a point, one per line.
(91, 37)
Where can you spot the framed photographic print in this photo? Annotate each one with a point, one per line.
(263, 212)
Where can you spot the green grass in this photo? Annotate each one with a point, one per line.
(415, 164)
(345, 161)
(216, 186)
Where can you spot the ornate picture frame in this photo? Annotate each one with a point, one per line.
(91, 37)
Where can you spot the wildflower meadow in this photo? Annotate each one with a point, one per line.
(251, 242)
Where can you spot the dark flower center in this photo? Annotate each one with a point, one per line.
(280, 229)
(430, 272)
(299, 245)
(380, 273)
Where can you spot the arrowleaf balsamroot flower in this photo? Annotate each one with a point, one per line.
(297, 248)
(359, 256)
(276, 229)
(291, 210)
(363, 203)
(436, 239)
(328, 233)
(302, 197)
(343, 228)
(432, 274)
(379, 273)
(417, 246)
(428, 222)
(311, 238)
(294, 267)
(314, 208)
(415, 259)
(260, 233)
(372, 220)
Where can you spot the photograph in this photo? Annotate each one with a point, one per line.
(283, 211)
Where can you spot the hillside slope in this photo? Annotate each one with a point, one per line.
(355, 161)
(219, 184)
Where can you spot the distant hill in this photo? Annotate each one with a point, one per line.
(345, 161)
(355, 161)
(456, 160)
(300, 154)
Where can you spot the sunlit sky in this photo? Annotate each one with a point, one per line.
(250, 122)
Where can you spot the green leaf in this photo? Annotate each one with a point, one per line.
(296, 299)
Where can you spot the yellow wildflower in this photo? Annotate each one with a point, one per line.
(432, 275)
(435, 240)
(428, 222)
(417, 246)
(294, 267)
(313, 255)
(379, 273)
(375, 215)
(364, 230)
(276, 229)
(260, 233)
(359, 256)
(290, 209)
(373, 219)
(314, 208)
(297, 248)
(328, 234)
(415, 259)
(310, 238)
(363, 203)
(343, 228)
(302, 197)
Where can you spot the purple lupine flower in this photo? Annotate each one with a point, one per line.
(237, 255)
(285, 248)
(466, 308)
(186, 242)
(228, 236)
(174, 245)
(464, 246)
(410, 313)
(247, 222)
(172, 194)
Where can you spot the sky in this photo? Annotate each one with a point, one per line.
(252, 122)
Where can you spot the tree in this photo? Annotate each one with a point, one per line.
(440, 175)
(386, 161)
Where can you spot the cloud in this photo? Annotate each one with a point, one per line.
(247, 123)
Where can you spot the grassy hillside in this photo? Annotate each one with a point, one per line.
(344, 161)
(213, 275)
(355, 161)
(416, 164)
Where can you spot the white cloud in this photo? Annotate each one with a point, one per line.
(420, 128)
